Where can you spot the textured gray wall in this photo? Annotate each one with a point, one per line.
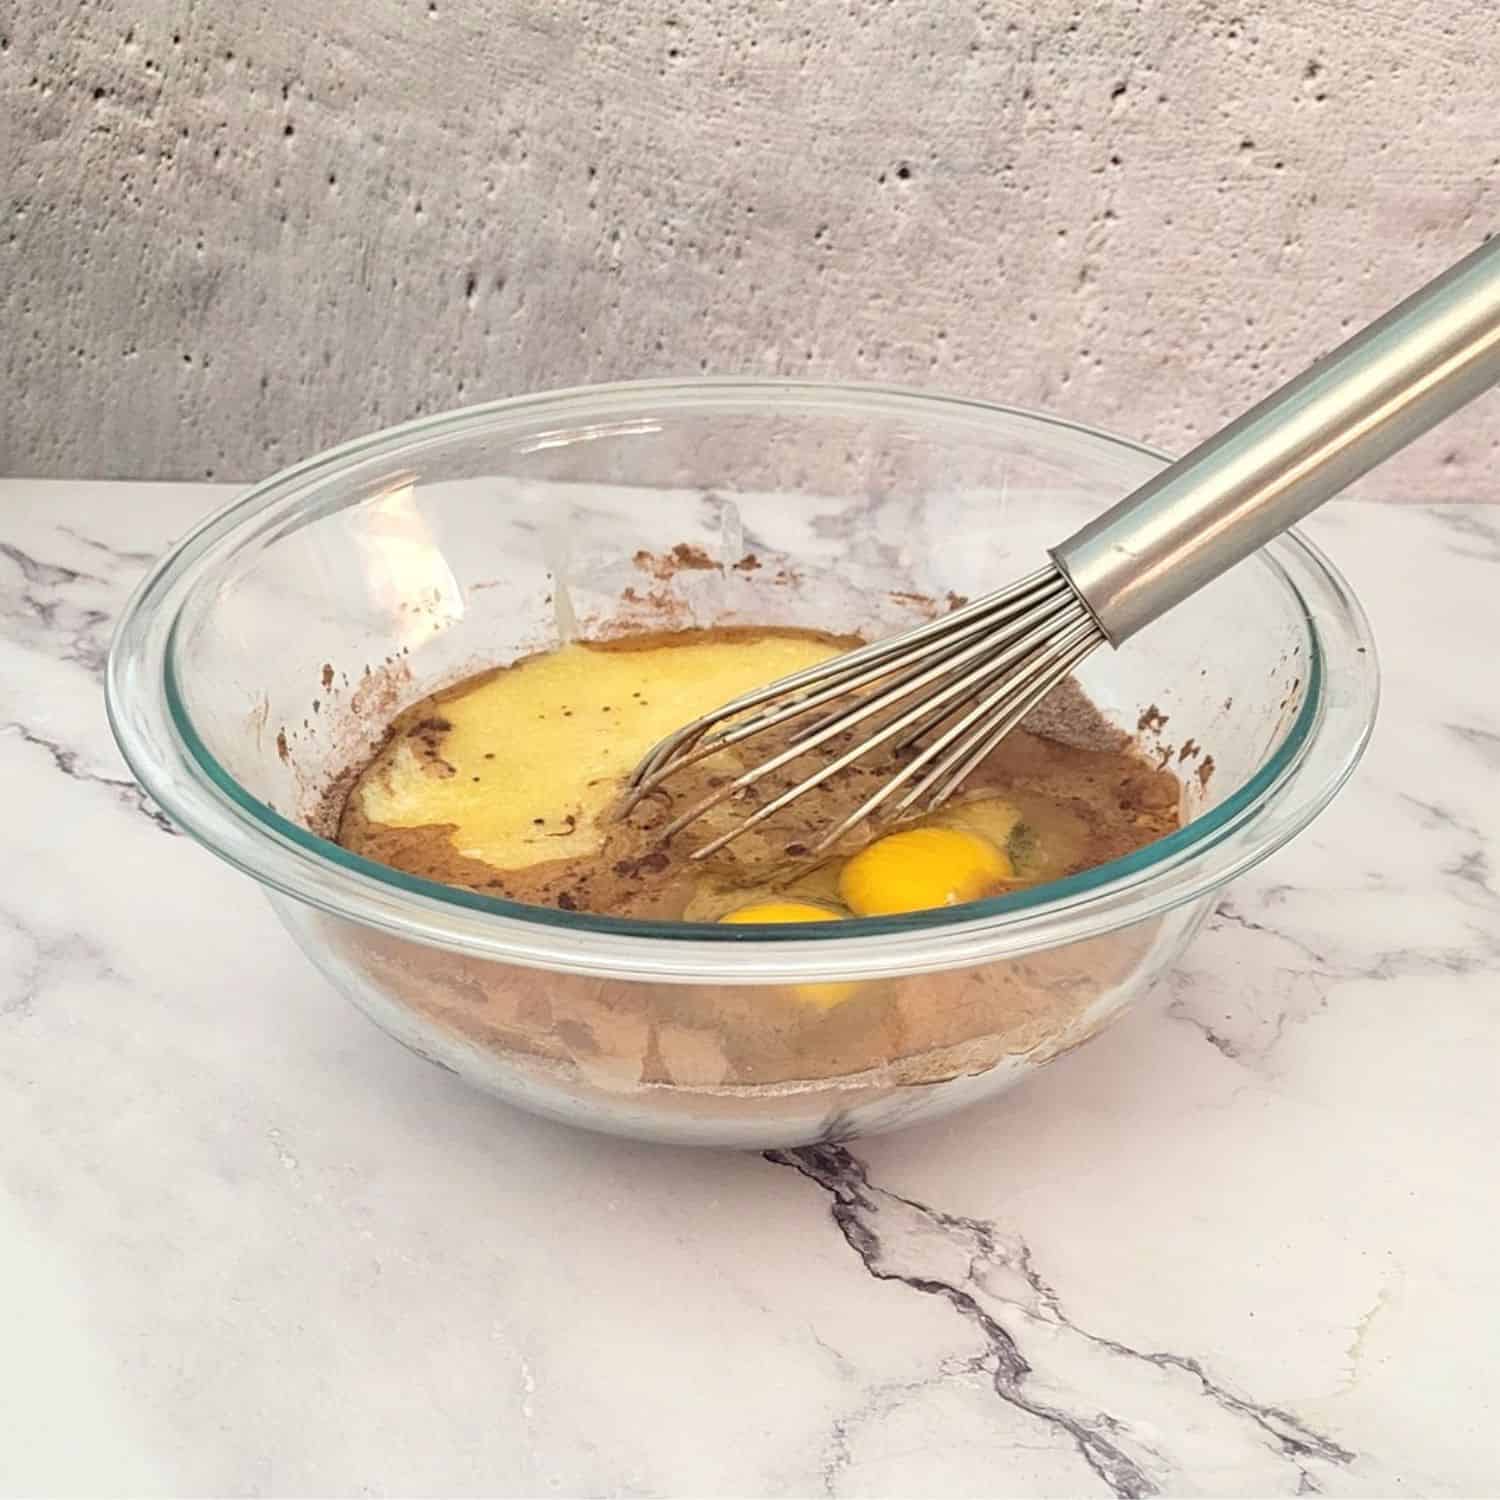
(235, 232)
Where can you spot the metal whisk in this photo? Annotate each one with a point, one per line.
(952, 689)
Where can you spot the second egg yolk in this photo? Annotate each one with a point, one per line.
(920, 868)
(825, 996)
(780, 911)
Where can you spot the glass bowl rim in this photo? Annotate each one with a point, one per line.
(174, 765)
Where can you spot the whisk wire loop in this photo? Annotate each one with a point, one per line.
(974, 673)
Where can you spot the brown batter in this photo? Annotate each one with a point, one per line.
(1085, 795)
(704, 1049)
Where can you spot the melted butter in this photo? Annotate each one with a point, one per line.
(535, 754)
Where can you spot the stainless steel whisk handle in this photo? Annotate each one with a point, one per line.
(1388, 384)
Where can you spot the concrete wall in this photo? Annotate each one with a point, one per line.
(236, 231)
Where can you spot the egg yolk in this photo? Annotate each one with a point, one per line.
(825, 996)
(780, 911)
(920, 868)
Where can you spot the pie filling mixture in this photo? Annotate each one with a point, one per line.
(509, 784)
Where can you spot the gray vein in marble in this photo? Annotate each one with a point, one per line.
(1293, 992)
(1473, 869)
(879, 1402)
(32, 957)
(968, 1263)
(44, 618)
(1227, 914)
(45, 574)
(124, 555)
(1471, 866)
(1483, 742)
(1472, 528)
(25, 969)
(1178, 1008)
(1297, 989)
(1397, 963)
(67, 761)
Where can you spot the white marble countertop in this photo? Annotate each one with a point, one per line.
(1245, 1243)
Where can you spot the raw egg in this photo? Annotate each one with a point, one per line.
(920, 868)
(780, 911)
(824, 995)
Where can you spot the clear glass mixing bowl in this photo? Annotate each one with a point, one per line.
(263, 657)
